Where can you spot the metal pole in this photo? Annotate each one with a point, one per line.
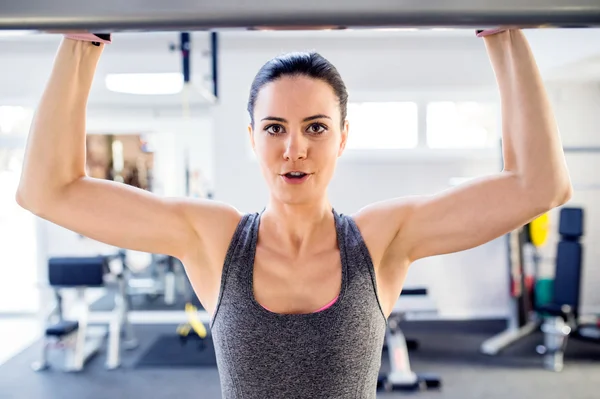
(180, 15)
(185, 56)
(581, 149)
(214, 54)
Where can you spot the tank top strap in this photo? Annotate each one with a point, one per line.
(358, 262)
(238, 260)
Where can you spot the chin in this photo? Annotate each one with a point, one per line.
(297, 198)
(289, 199)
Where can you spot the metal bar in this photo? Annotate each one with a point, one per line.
(185, 55)
(581, 149)
(214, 56)
(118, 15)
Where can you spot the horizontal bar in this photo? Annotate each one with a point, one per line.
(122, 15)
(414, 291)
(581, 149)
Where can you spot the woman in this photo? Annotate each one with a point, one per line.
(298, 294)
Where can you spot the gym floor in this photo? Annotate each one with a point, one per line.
(449, 349)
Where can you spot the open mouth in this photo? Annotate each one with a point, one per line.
(295, 175)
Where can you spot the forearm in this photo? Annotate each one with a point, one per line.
(531, 141)
(55, 153)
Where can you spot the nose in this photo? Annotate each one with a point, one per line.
(296, 147)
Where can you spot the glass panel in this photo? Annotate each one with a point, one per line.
(462, 125)
(383, 125)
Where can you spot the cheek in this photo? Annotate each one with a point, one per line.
(268, 154)
(326, 156)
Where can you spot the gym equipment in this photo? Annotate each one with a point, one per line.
(401, 377)
(167, 279)
(74, 272)
(562, 313)
(76, 338)
(538, 230)
(522, 320)
(193, 325)
(113, 15)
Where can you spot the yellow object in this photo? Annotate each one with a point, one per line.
(184, 329)
(195, 323)
(539, 228)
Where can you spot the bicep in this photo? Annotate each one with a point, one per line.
(125, 216)
(465, 216)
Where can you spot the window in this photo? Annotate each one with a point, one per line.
(462, 125)
(15, 120)
(383, 125)
(18, 267)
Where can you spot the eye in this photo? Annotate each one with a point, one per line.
(274, 130)
(317, 128)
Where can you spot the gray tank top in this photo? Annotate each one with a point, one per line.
(335, 353)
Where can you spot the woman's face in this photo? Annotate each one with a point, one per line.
(297, 128)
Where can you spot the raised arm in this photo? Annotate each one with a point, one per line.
(55, 187)
(534, 180)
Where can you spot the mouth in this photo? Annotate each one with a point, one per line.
(295, 177)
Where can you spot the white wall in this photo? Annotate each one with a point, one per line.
(468, 284)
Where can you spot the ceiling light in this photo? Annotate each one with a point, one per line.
(145, 83)
(397, 29)
(13, 33)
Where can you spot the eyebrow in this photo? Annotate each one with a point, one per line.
(310, 118)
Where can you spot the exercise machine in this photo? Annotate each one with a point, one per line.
(78, 340)
(523, 260)
(561, 315)
(401, 376)
(167, 279)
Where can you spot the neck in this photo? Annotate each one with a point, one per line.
(297, 227)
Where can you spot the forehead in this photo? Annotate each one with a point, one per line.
(296, 96)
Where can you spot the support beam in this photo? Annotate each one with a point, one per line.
(119, 15)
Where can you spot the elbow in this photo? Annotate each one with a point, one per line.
(552, 197)
(24, 201)
(32, 202)
(21, 199)
(566, 194)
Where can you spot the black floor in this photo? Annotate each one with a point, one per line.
(447, 348)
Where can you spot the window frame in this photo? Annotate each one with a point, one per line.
(422, 152)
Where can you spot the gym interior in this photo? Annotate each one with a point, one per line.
(517, 317)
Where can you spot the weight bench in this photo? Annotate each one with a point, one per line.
(401, 376)
(561, 316)
(77, 340)
(168, 279)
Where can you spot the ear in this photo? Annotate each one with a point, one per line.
(344, 140)
(251, 134)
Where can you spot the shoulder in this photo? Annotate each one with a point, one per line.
(379, 224)
(214, 223)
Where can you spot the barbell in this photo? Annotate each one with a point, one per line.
(118, 15)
